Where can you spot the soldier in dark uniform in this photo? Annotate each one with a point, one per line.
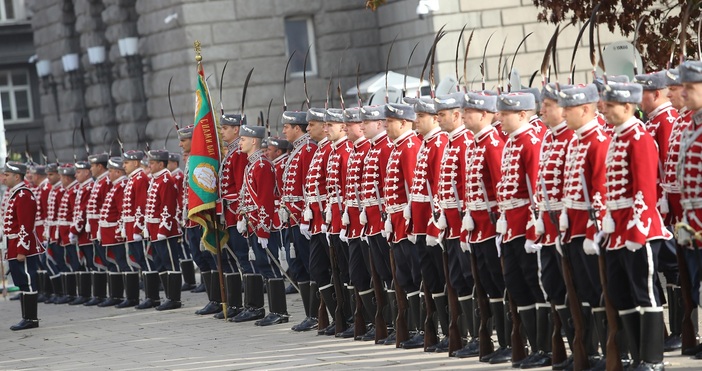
(23, 246)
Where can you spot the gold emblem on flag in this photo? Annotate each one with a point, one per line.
(205, 177)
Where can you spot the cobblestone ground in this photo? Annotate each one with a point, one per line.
(81, 338)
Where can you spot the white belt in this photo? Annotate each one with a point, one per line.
(574, 205)
(555, 205)
(63, 224)
(448, 205)
(623, 203)
(370, 202)
(38, 223)
(292, 198)
(11, 236)
(129, 219)
(93, 216)
(689, 204)
(481, 205)
(311, 199)
(513, 203)
(152, 220)
(336, 200)
(106, 224)
(419, 198)
(391, 209)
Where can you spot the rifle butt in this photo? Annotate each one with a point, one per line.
(455, 339)
(580, 360)
(381, 329)
(359, 322)
(430, 336)
(401, 331)
(613, 363)
(689, 338)
(557, 346)
(486, 346)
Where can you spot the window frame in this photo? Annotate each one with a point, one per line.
(11, 88)
(312, 61)
(18, 7)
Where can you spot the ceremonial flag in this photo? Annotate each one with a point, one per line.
(203, 165)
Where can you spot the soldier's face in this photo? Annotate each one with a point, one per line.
(471, 119)
(155, 166)
(370, 128)
(395, 128)
(229, 133)
(29, 177)
(425, 123)
(692, 95)
(316, 130)
(82, 175)
(3, 178)
(96, 169)
(617, 113)
(273, 152)
(114, 174)
(354, 131)
(449, 119)
(185, 145)
(11, 179)
(551, 113)
(512, 120)
(335, 130)
(66, 180)
(172, 165)
(246, 145)
(650, 98)
(130, 166)
(53, 177)
(675, 96)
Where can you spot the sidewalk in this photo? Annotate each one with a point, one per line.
(91, 338)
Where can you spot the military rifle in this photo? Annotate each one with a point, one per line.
(381, 329)
(339, 319)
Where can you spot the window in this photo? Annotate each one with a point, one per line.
(12, 11)
(15, 91)
(299, 35)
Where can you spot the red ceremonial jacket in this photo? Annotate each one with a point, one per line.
(425, 181)
(134, 204)
(483, 173)
(606, 127)
(520, 160)
(372, 190)
(64, 218)
(401, 166)
(279, 167)
(294, 177)
(691, 171)
(587, 153)
(110, 223)
(257, 195)
(353, 200)
(41, 222)
(162, 206)
(671, 183)
(231, 178)
(336, 183)
(20, 210)
(100, 189)
(79, 225)
(52, 207)
(539, 127)
(551, 170)
(660, 126)
(632, 164)
(316, 188)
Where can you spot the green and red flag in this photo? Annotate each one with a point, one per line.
(203, 165)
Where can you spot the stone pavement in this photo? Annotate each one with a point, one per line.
(80, 338)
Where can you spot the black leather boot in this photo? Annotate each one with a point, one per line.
(187, 268)
(99, 289)
(48, 288)
(57, 287)
(391, 316)
(472, 348)
(29, 320)
(116, 290)
(348, 310)
(69, 288)
(369, 308)
(309, 298)
(131, 288)
(213, 306)
(442, 313)
(174, 281)
(503, 353)
(41, 286)
(675, 315)
(83, 297)
(651, 335)
(329, 296)
(541, 357)
(277, 306)
(631, 328)
(232, 284)
(253, 299)
(416, 339)
(152, 297)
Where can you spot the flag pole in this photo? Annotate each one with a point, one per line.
(215, 220)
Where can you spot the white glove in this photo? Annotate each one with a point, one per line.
(600, 237)
(324, 228)
(591, 247)
(241, 226)
(467, 224)
(72, 238)
(87, 226)
(146, 232)
(530, 247)
(498, 245)
(684, 238)
(283, 214)
(465, 246)
(539, 226)
(263, 242)
(632, 246)
(305, 231)
(365, 239)
(433, 241)
(342, 236)
(412, 238)
(161, 237)
(501, 226)
(137, 237)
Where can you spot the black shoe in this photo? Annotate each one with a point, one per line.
(568, 363)
(249, 314)
(16, 297)
(501, 355)
(25, 324)
(148, 303)
(187, 286)
(391, 339)
(329, 331)
(169, 305)
(79, 301)
(472, 349)
(231, 313)
(309, 323)
(127, 303)
(273, 319)
(64, 299)
(346, 334)
(211, 307)
(416, 341)
(111, 302)
(645, 366)
(199, 288)
(440, 347)
(94, 301)
(538, 359)
(692, 351)
(51, 299)
(290, 290)
(673, 342)
(41, 298)
(368, 336)
(597, 365)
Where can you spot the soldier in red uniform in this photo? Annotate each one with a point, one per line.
(448, 204)
(162, 227)
(396, 194)
(54, 253)
(78, 235)
(110, 226)
(585, 161)
(483, 159)
(291, 212)
(520, 164)
(689, 170)
(600, 84)
(23, 246)
(100, 188)
(314, 225)
(64, 219)
(373, 215)
(187, 265)
(231, 177)
(42, 189)
(633, 227)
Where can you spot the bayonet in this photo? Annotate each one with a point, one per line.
(304, 76)
(285, 81)
(383, 214)
(221, 85)
(358, 84)
(82, 134)
(27, 154)
(458, 47)
(268, 117)
(53, 150)
(43, 155)
(459, 206)
(530, 192)
(326, 101)
(593, 56)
